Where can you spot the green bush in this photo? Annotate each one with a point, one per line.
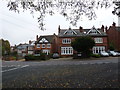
(95, 55)
(42, 56)
(31, 57)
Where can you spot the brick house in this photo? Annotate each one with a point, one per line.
(46, 44)
(66, 36)
(114, 36)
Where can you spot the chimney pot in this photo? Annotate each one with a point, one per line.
(114, 24)
(37, 37)
(103, 28)
(58, 29)
(30, 41)
(81, 29)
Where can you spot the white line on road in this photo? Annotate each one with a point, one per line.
(15, 68)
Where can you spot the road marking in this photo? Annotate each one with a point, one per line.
(15, 68)
(11, 66)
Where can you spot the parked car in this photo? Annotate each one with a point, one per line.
(113, 53)
(118, 53)
(55, 55)
(103, 53)
(77, 55)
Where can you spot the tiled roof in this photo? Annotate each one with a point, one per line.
(21, 46)
(49, 38)
(78, 33)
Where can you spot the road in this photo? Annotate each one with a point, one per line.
(61, 73)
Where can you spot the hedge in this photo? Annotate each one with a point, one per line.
(42, 56)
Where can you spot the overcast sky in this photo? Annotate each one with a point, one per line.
(20, 28)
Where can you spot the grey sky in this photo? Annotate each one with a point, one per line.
(20, 28)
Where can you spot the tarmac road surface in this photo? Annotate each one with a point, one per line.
(61, 73)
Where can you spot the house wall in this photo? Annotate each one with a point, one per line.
(41, 48)
(114, 37)
(64, 45)
(105, 44)
(53, 45)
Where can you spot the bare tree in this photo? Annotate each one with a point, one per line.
(72, 10)
(116, 10)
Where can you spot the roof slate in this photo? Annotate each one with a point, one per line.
(49, 38)
(61, 34)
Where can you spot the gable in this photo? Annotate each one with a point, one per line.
(93, 31)
(70, 32)
(43, 40)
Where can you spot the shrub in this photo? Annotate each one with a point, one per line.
(42, 56)
(12, 58)
(95, 55)
(30, 57)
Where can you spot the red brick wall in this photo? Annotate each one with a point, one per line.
(54, 45)
(105, 42)
(114, 37)
(64, 45)
(43, 48)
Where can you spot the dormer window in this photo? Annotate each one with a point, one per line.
(43, 40)
(66, 41)
(70, 32)
(93, 31)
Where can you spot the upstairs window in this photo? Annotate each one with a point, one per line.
(43, 45)
(38, 45)
(98, 40)
(66, 41)
(48, 45)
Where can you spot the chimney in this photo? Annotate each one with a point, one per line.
(36, 37)
(81, 29)
(58, 29)
(106, 29)
(30, 41)
(114, 24)
(102, 28)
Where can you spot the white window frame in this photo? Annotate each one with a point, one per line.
(46, 51)
(66, 51)
(48, 45)
(38, 45)
(43, 40)
(93, 31)
(66, 41)
(98, 40)
(98, 49)
(43, 45)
